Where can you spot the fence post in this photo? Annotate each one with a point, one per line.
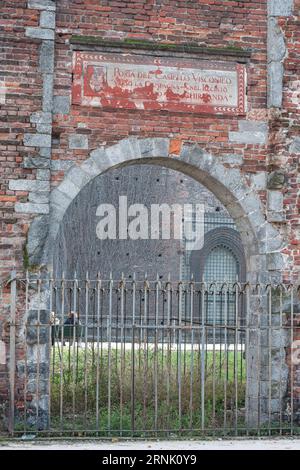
(12, 351)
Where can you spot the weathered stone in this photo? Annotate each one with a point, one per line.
(45, 152)
(61, 165)
(77, 176)
(275, 261)
(69, 188)
(232, 159)
(29, 185)
(60, 199)
(41, 197)
(2, 352)
(276, 180)
(36, 238)
(48, 5)
(30, 208)
(275, 89)
(295, 146)
(278, 217)
(245, 137)
(158, 147)
(280, 7)
(40, 117)
(259, 180)
(39, 33)
(48, 93)
(275, 201)
(47, 57)
(36, 162)
(276, 42)
(37, 140)
(78, 141)
(43, 175)
(44, 128)
(47, 19)
(253, 126)
(61, 105)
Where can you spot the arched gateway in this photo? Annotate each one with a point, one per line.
(260, 241)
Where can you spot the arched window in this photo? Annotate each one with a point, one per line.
(221, 260)
(221, 265)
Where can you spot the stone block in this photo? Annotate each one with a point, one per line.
(46, 61)
(41, 197)
(30, 208)
(40, 117)
(37, 140)
(280, 7)
(39, 33)
(48, 5)
(48, 93)
(275, 261)
(295, 146)
(61, 105)
(44, 128)
(275, 201)
(247, 137)
(275, 77)
(29, 185)
(38, 162)
(61, 165)
(276, 42)
(47, 19)
(276, 179)
(43, 175)
(78, 141)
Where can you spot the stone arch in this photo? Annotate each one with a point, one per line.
(228, 184)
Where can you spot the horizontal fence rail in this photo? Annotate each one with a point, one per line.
(130, 358)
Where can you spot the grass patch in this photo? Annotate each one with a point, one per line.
(152, 392)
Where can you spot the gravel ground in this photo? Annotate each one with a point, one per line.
(241, 444)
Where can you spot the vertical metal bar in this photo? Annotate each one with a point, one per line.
(62, 351)
(155, 355)
(247, 318)
(169, 350)
(179, 354)
(203, 292)
(292, 362)
(37, 325)
(122, 352)
(86, 351)
(270, 358)
(192, 350)
(98, 349)
(51, 321)
(214, 357)
(109, 330)
(145, 364)
(25, 353)
(259, 331)
(12, 350)
(236, 344)
(226, 287)
(133, 357)
(280, 353)
(74, 362)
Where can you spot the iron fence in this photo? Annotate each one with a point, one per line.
(130, 358)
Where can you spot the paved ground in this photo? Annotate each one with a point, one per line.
(262, 444)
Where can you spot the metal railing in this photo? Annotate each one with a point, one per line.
(130, 358)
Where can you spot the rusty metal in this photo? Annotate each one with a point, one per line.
(128, 358)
